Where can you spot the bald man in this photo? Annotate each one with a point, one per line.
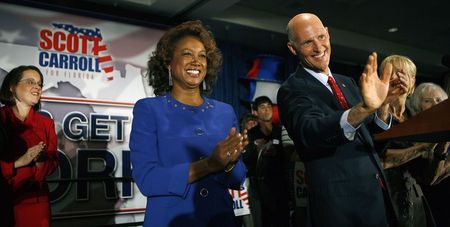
(331, 122)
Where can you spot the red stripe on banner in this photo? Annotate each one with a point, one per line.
(102, 48)
(105, 58)
(97, 49)
(108, 69)
(242, 193)
(129, 210)
(253, 72)
(86, 101)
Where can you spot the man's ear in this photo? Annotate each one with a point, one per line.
(291, 48)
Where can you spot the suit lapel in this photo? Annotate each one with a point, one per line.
(311, 82)
(347, 89)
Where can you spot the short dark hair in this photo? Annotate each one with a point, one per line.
(246, 118)
(261, 100)
(161, 57)
(12, 79)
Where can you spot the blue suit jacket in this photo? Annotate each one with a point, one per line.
(166, 137)
(342, 175)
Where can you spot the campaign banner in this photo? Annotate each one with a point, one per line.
(240, 200)
(300, 187)
(94, 71)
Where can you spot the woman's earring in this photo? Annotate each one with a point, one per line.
(204, 85)
(170, 76)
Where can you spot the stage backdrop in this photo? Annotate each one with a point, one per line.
(94, 71)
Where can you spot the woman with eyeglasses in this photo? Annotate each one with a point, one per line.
(30, 154)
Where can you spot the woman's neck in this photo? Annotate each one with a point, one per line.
(398, 107)
(21, 111)
(189, 97)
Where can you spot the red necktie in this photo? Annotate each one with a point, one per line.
(337, 93)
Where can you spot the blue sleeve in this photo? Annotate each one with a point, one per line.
(237, 176)
(151, 177)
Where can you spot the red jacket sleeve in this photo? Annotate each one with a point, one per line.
(51, 163)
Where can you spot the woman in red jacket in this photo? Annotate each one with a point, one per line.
(30, 154)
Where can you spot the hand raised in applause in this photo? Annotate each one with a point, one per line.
(41, 157)
(228, 150)
(29, 156)
(373, 88)
(398, 85)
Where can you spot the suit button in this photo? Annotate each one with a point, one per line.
(199, 132)
(204, 192)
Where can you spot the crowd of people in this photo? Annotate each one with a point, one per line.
(188, 150)
(331, 123)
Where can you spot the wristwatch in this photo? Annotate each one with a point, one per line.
(229, 167)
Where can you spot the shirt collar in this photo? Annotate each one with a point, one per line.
(321, 77)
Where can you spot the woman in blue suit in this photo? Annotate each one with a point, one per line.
(185, 147)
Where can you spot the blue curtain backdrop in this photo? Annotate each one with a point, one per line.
(237, 61)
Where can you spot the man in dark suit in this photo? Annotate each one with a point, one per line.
(331, 124)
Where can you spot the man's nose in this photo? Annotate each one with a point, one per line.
(317, 44)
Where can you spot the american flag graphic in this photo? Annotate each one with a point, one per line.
(122, 43)
(122, 54)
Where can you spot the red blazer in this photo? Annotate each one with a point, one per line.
(26, 184)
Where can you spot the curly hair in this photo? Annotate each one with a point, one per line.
(162, 56)
(12, 79)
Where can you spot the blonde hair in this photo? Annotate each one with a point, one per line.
(404, 63)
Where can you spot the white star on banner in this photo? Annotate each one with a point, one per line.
(10, 37)
(5, 63)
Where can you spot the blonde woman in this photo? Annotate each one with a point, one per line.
(406, 162)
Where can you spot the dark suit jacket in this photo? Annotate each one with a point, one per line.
(342, 175)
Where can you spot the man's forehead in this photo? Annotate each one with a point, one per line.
(264, 104)
(311, 32)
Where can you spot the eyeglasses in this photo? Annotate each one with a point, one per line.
(31, 82)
